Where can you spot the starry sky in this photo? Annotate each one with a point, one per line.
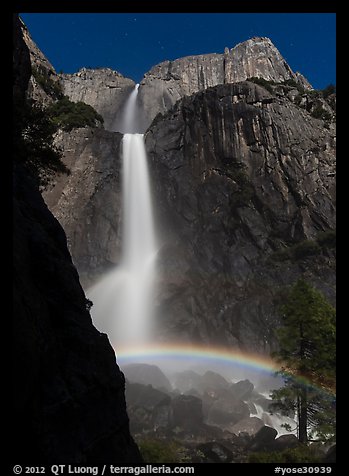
(131, 43)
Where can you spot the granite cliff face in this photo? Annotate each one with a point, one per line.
(21, 62)
(238, 174)
(68, 392)
(88, 202)
(243, 181)
(41, 69)
(107, 90)
(241, 177)
(103, 89)
(169, 81)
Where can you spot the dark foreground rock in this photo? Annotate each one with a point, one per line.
(263, 440)
(68, 392)
(149, 408)
(331, 455)
(187, 411)
(250, 426)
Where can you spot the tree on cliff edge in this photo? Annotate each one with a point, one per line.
(307, 355)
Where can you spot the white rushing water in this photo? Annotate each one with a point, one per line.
(123, 300)
(129, 123)
(276, 421)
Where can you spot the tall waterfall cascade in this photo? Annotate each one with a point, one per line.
(123, 299)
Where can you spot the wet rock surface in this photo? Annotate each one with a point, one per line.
(209, 427)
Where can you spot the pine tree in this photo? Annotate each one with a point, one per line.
(307, 354)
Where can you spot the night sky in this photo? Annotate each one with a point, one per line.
(131, 43)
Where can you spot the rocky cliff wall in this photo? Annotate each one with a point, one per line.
(103, 89)
(69, 403)
(238, 174)
(88, 202)
(169, 81)
(44, 77)
(107, 90)
(68, 392)
(243, 182)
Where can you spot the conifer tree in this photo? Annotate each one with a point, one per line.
(307, 355)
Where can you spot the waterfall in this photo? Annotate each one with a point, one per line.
(129, 123)
(123, 299)
(275, 421)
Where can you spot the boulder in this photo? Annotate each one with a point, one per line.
(186, 411)
(263, 440)
(216, 452)
(186, 380)
(148, 408)
(227, 411)
(145, 395)
(242, 389)
(331, 455)
(147, 375)
(211, 382)
(250, 425)
(284, 442)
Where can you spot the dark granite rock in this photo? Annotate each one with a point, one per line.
(242, 389)
(147, 375)
(187, 380)
(187, 411)
(250, 425)
(21, 62)
(238, 174)
(149, 409)
(263, 440)
(284, 442)
(212, 382)
(68, 392)
(331, 455)
(226, 411)
(216, 452)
